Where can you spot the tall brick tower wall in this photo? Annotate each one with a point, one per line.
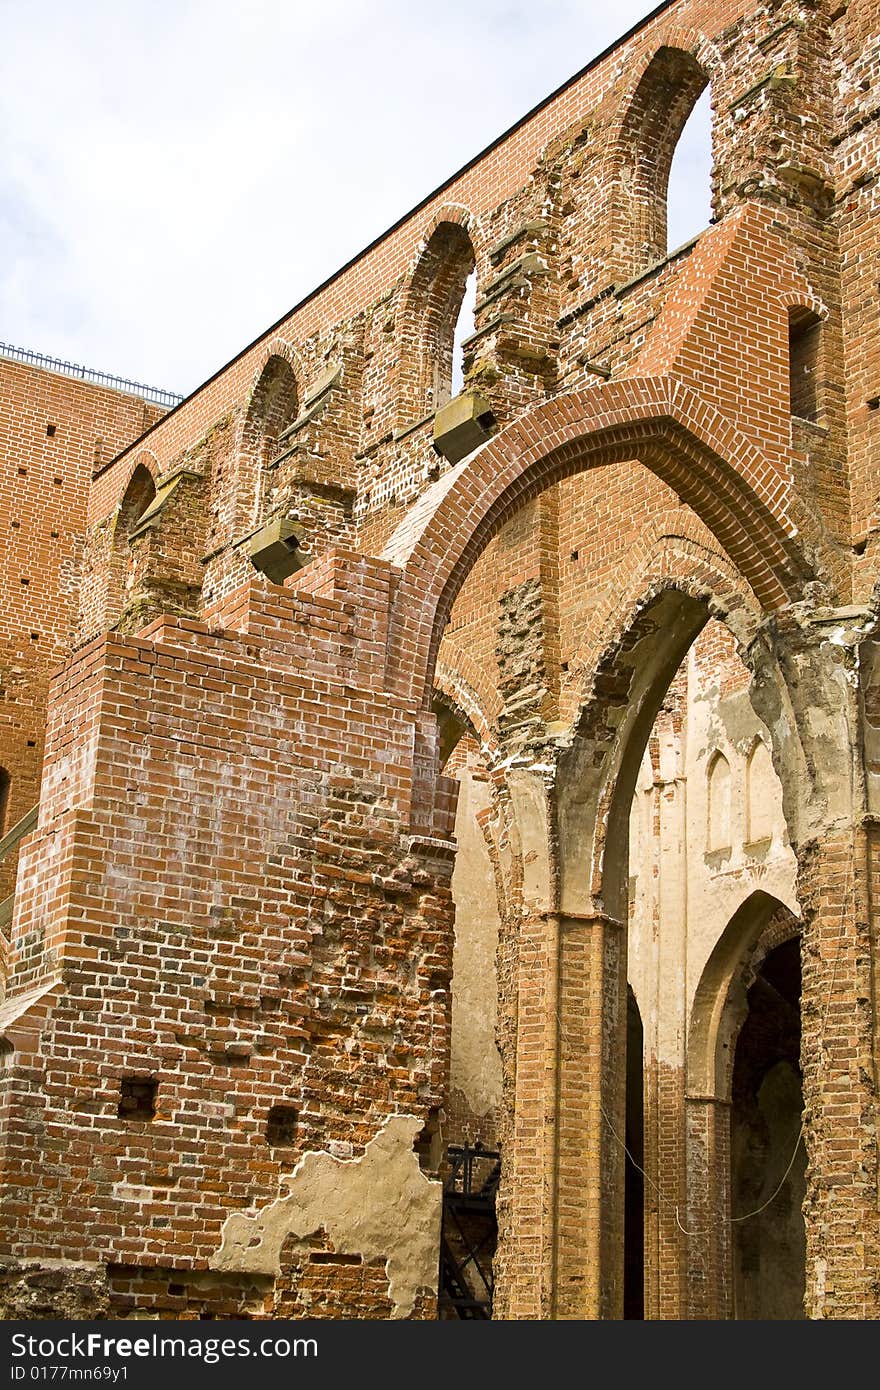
(230, 1028)
(55, 430)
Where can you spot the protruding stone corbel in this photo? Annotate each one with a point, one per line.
(278, 549)
(463, 425)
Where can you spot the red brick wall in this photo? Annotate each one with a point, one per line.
(243, 854)
(44, 487)
(247, 974)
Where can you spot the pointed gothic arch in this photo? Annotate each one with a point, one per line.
(429, 319)
(652, 122)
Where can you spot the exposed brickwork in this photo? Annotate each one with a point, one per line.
(54, 431)
(236, 906)
(258, 980)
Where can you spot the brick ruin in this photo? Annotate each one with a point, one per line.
(427, 766)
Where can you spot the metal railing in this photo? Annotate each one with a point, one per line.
(117, 383)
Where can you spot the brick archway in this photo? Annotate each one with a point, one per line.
(459, 678)
(428, 314)
(633, 657)
(681, 38)
(684, 585)
(760, 923)
(669, 428)
(644, 135)
(272, 405)
(139, 492)
(671, 553)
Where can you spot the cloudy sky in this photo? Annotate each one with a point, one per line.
(176, 174)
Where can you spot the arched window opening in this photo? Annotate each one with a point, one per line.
(767, 1108)
(120, 577)
(762, 794)
(666, 101)
(436, 322)
(273, 404)
(804, 348)
(138, 495)
(464, 327)
(718, 835)
(5, 783)
(689, 194)
(272, 409)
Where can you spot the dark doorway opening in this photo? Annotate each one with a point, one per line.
(766, 1154)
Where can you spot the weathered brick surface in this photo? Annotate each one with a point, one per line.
(44, 488)
(239, 887)
(234, 978)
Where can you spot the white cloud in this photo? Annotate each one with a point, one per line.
(175, 175)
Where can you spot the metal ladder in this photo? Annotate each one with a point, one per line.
(469, 1230)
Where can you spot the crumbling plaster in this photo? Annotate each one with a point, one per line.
(476, 1063)
(380, 1204)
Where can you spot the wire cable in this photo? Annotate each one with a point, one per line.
(749, 1215)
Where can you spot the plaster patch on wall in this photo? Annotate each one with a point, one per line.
(380, 1204)
(475, 1065)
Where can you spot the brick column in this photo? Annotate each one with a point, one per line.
(592, 1118)
(669, 1252)
(528, 1244)
(827, 733)
(841, 1206)
(561, 1249)
(529, 1003)
(709, 1292)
